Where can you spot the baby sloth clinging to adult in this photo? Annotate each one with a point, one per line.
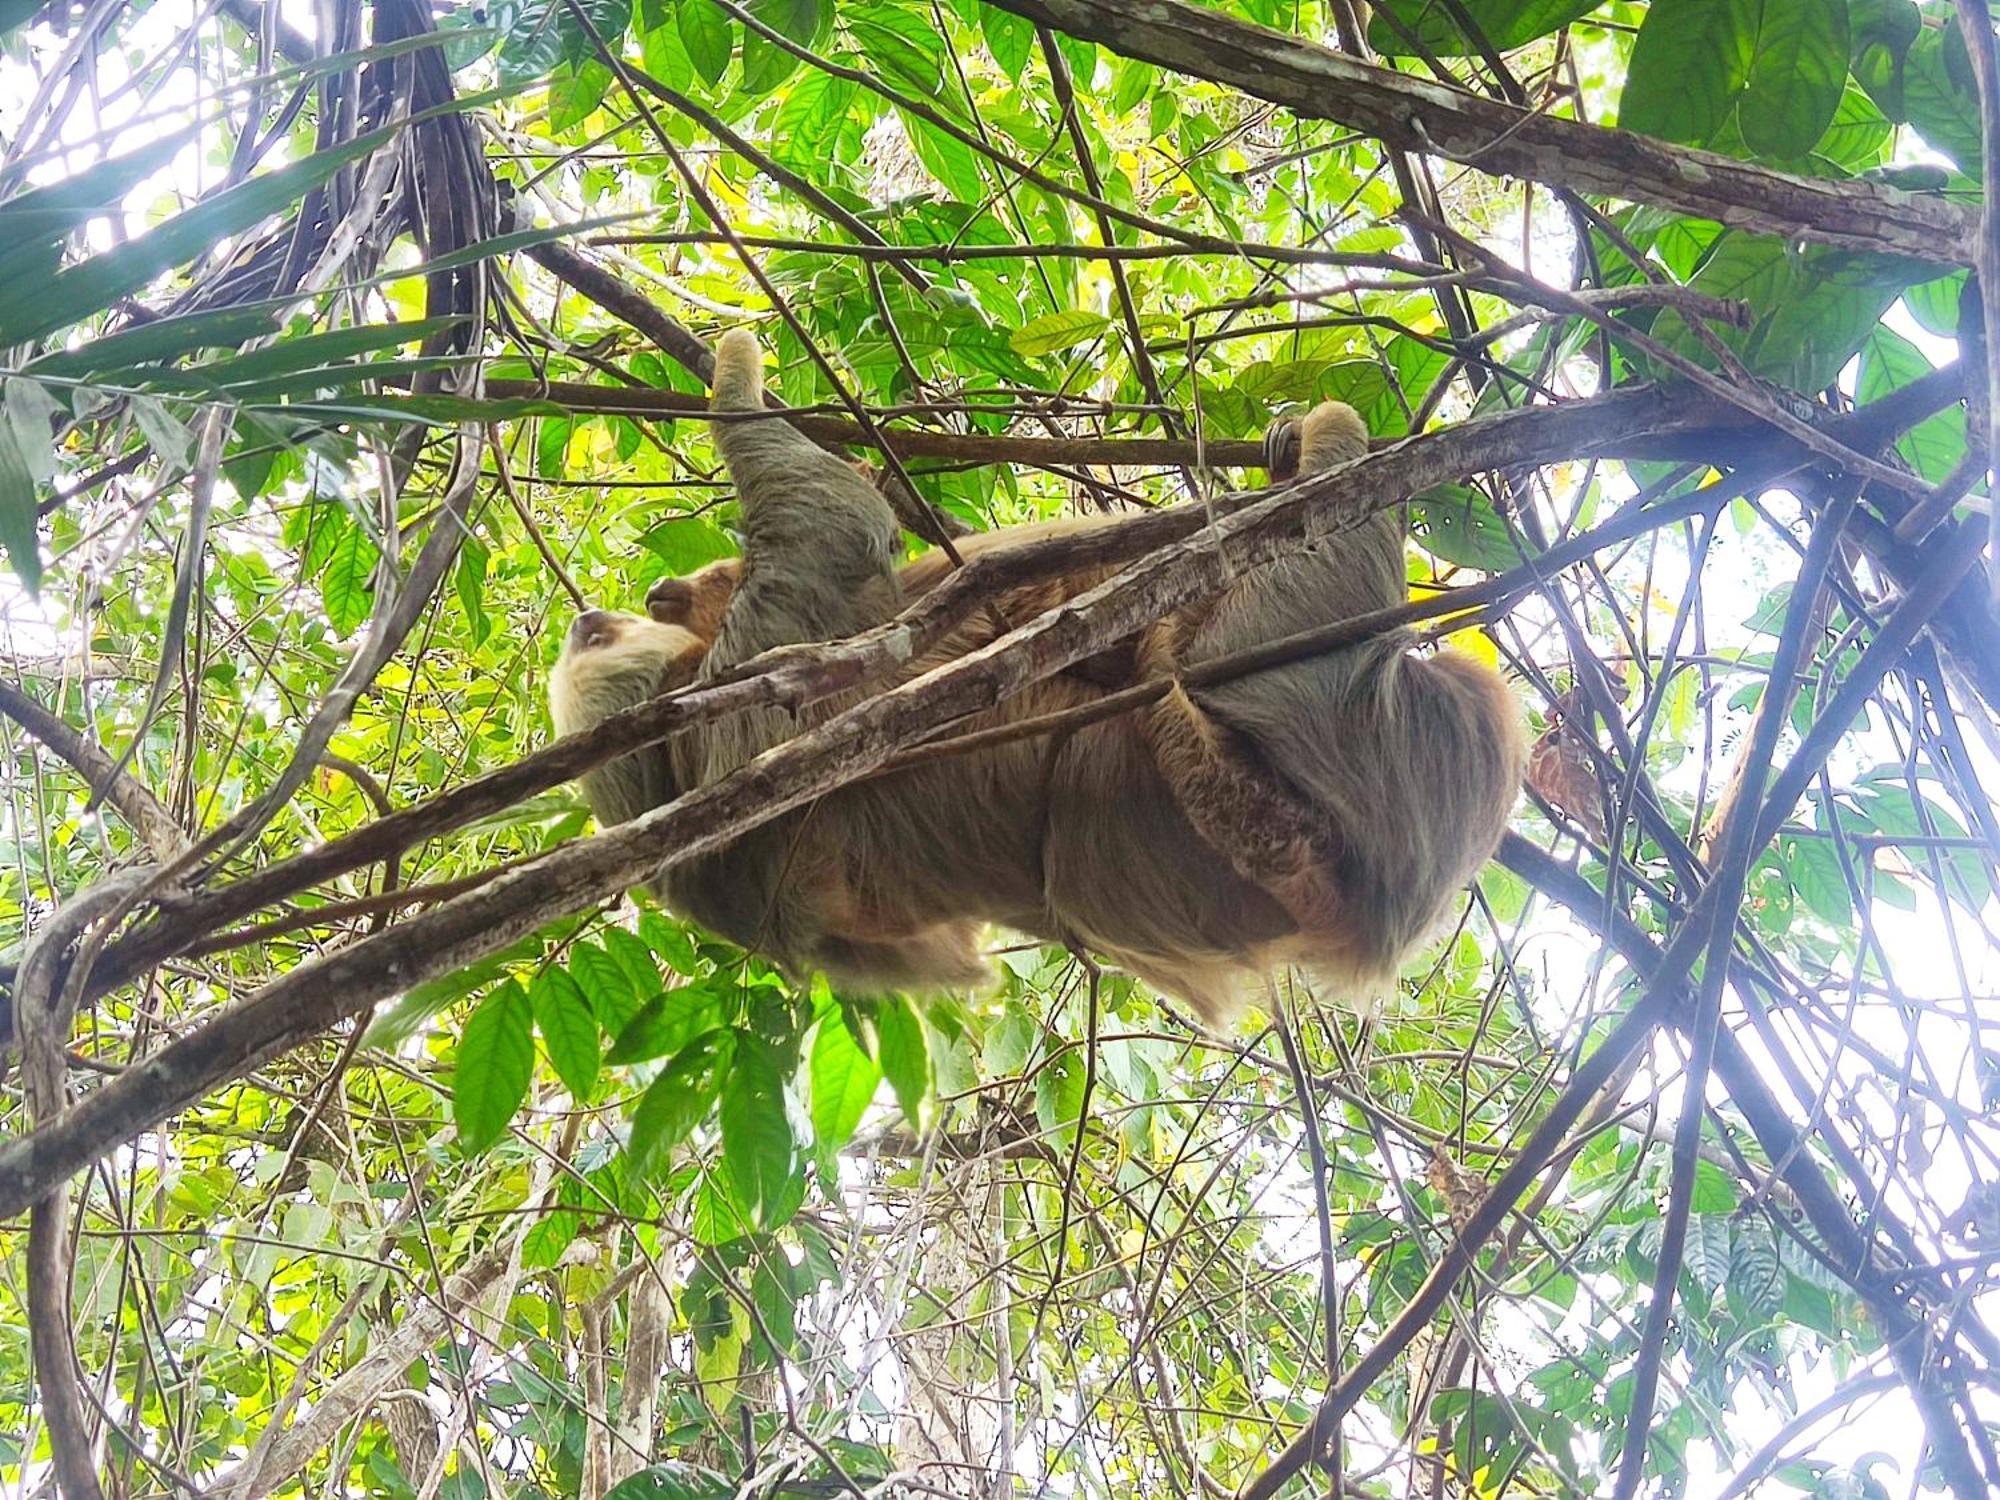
(1324, 813)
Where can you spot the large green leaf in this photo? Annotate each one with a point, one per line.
(1689, 62)
(38, 219)
(1880, 33)
(18, 532)
(765, 63)
(347, 585)
(673, 1481)
(844, 1078)
(1938, 97)
(905, 48)
(757, 1141)
(674, 1104)
(496, 1060)
(568, 1028)
(1054, 332)
(118, 356)
(905, 1055)
(709, 38)
(1505, 24)
(1457, 524)
(1010, 38)
(808, 121)
(1797, 73)
(1889, 362)
(668, 1022)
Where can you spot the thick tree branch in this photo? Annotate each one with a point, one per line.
(1503, 140)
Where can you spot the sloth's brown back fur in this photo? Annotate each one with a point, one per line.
(1325, 812)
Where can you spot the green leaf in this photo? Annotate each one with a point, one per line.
(346, 587)
(1880, 33)
(543, 1245)
(530, 39)
(1714, 1190)
(31, 413)
(630, 953)
(1505, 25)
(1053, 332)
(1009, 1042)
(164, 339)
(19, 532)
(709, 38)
(809, 119)
(468, 582)
(34, 224)
(576, 90)
(905, 1055)
(757, 1142)
(843, 1083)
(1689, 62)
(1059, 1095)
(661, 50)
(1458, 525)
(568, 1029)
(172, 443)
(945, 157)
(765, 63)
(673, 1481)
(606, 985)
(496, 1060)
(1944, 111)
(1860, 137)
(1797, 72)
(673, 1105)
(906, 49)
(1010, 38)
(319, 351)
(1814, 330)
(666, 1023)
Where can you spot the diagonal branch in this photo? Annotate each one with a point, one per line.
(163, 837)
(1503, 140)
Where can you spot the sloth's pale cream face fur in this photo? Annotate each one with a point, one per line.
(612, 660)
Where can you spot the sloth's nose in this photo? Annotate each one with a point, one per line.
(594, 627)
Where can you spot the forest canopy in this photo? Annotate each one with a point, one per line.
(364, 1130)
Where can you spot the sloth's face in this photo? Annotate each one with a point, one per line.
(611, 660)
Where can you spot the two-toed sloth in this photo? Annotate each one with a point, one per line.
(1324, 813)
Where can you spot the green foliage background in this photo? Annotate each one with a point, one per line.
(619, 1208)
